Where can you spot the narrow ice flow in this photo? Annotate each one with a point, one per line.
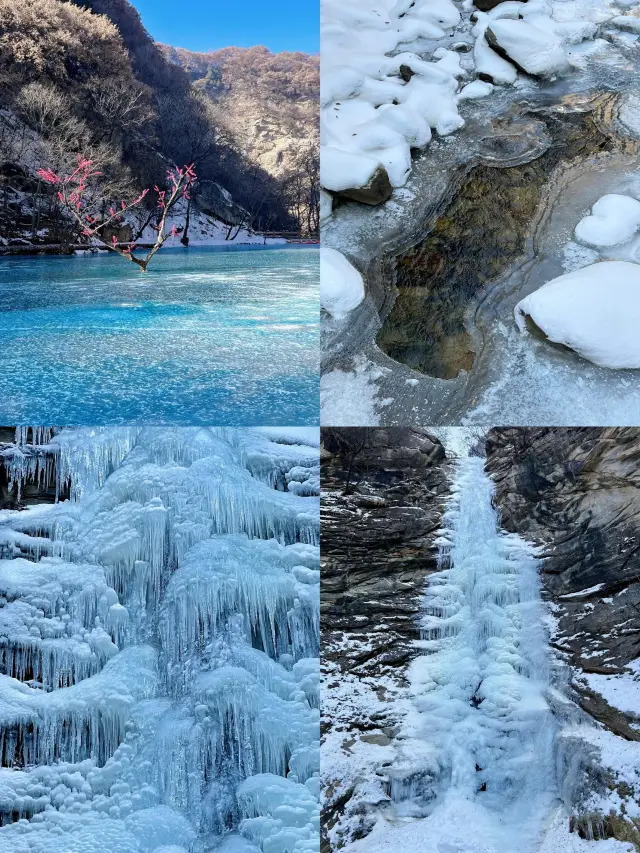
(479, 734)
(159, 643)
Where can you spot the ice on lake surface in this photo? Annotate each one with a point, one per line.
(206, 336)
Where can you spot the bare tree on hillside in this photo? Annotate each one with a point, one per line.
(187, 124)
(301, 186)
(349, 443)
(121, 110)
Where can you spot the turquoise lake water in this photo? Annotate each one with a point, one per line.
(207, 336)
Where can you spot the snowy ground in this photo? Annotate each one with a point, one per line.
(207, 231)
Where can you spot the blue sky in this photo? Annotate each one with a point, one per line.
(210, 24)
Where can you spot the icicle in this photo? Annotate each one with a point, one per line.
(174, 537)
(483, 724)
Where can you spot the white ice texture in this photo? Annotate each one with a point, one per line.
(594, 311)
(341, 285)
(479, 732)
(159, 642)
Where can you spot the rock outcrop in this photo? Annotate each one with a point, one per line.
(576, 493)
(383, 495)
(376, 191)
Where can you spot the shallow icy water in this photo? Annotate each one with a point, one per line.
(521, 379)
(515, 378)
(206, 336)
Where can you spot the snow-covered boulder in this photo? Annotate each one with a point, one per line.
(629, 23)
(355, 176)
(378, 103)
(613, 221)
(488, 5)
(474, 90)
(531, 49)
(341, 285)
(488, 63)
(594, 311)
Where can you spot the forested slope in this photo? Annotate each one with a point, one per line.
(87, 77)
(267, 103)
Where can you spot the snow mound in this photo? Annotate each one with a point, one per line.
(594, 311)
(341, 285)
(614, 220)
(376, 103)
(534, 50)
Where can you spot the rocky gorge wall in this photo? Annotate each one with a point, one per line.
(378, 529)
(383, 492)
(575, 494)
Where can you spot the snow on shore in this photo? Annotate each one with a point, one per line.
(206, 231)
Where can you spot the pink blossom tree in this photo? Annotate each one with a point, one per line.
(72, 195)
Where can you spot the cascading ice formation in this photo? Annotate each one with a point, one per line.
(479, 732)
(159, 643)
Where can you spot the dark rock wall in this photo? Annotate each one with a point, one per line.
(576, 492)
(383, 491)
(377, 538)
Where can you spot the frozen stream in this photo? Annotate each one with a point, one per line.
(520, 379)
(502, 376)
(475, 770)
(484, 729)
(159, 643)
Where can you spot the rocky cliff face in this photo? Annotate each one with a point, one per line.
(379, 522)
(576, 492)
(573, 492)
(383, 494)
(268, 102)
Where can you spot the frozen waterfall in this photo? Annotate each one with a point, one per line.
(159, 643)
(477, 746)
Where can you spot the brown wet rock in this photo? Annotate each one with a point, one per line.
(483, 232)
(376, 191)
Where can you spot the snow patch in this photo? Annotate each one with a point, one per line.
(594, 311)
(341, 285)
